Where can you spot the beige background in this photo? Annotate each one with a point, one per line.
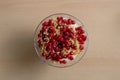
(18, 20)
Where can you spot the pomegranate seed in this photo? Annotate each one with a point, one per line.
(58, 37)
(41, 31)
(49, 47)
(80, 32)
(59, 18)
(66, 37)
(55, 55)
(60, 56)
(66, 41)
(45, 23)
(51, 30)
(44, 27)
(57, 49)
(83, 37)
(61, 39)
(71, 53)
(69, 21)
(63, 62)
(50, 23)
(73, 36)
(43, 54)
(70, 57)
(80, 40)
(81, 47)
(54, 44)
(39, 41)
(48, 57)
(67, 47)
(74, 47)
(57, 58)
(46, 44)
(65, 21)
(50, 35)
(64, 56)
(72, 22)
(40, 35)
(39, 45)
(79, 28)
(70, 30)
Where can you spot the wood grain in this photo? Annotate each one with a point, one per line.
(18, 20)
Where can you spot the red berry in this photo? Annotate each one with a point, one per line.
(57, 49)
(80, 32)
(39, 41)
(45, 23)
(54, 55)
(41, 31)
(40, 35)
(80, 40)
(79, 28)
(50, 35)
(60, 56)
(50, 23)
(46, 44)
(48, 57)
(49, 47)
(39, 45)
(66, 37)
(67, 47)
(59, 20)
(44, 27)
(61, 39)
(71, 53)
(43, 54)
(51, 30)
(69, 21)
(74, 47)
(72, 22)
(64, 56)
(63, 62)
(65, 21)
(51, 53)
(81, 47)
(83, 37)
(70, 57)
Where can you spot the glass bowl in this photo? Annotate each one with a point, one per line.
(78, 57)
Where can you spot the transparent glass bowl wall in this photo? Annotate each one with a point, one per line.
(69, 63)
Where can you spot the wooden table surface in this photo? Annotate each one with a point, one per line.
(18, 20)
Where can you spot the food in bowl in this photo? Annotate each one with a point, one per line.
(60, 39)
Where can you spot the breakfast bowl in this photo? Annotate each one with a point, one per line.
(61, 40)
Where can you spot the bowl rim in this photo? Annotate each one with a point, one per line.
(86, 43)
